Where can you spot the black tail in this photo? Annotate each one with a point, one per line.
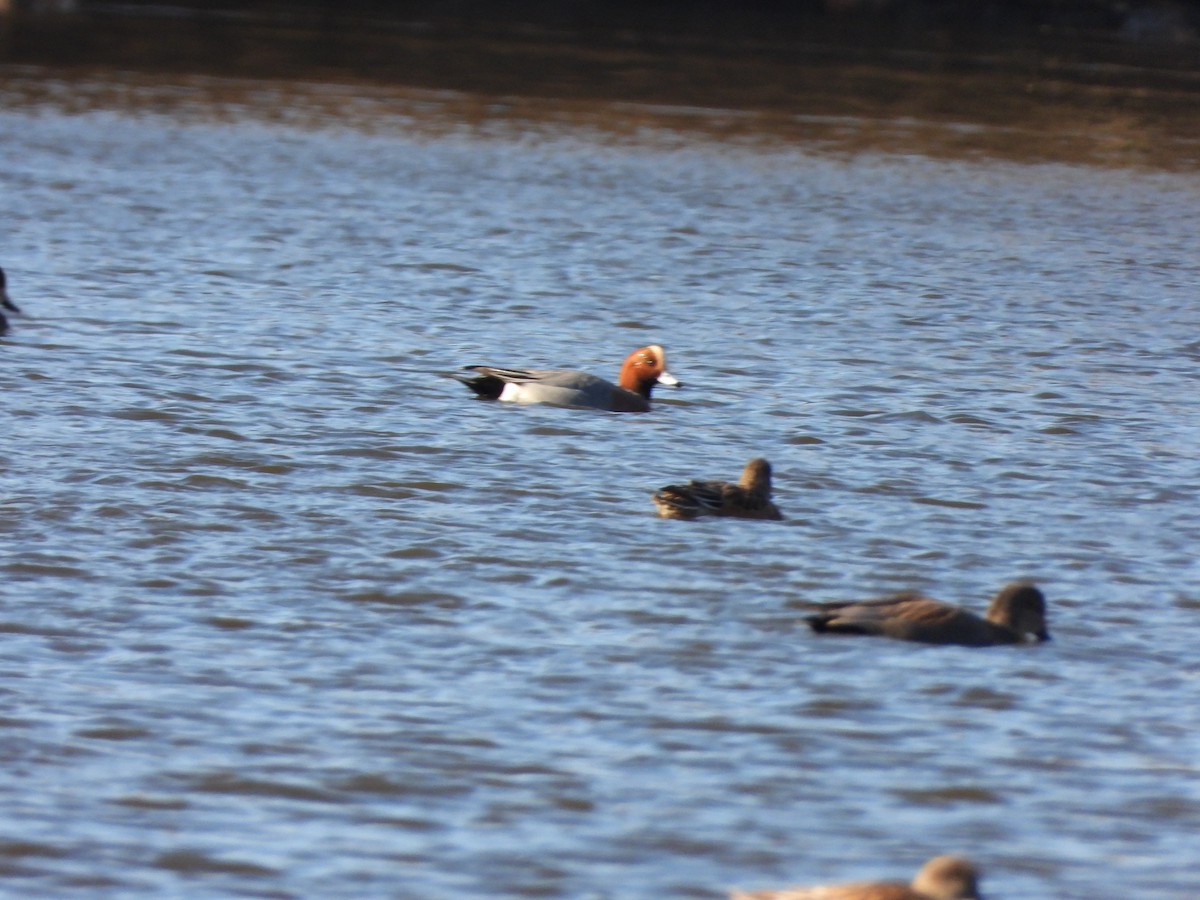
(828, 623)
(488, 387)
(819, 624)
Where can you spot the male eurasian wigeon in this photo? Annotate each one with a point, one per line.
(1019, 609)
(5, 302)
(641, 371)
(750, 498)
(942, 878)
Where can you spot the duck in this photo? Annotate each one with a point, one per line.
(1017, 611)
(750, 498)
(942, 878)
(642, 370)
(5, 302)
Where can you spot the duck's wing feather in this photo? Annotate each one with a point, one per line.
(900, 616)
(696, 498)
(865, 891)
(520, 376)
(562, 387)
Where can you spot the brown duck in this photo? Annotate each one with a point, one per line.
(942, 878)
(1018, 610)
(750, 498)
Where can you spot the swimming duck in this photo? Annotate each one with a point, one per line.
(942, 878)
(641, 371)
(1017, 610)
(750, 498)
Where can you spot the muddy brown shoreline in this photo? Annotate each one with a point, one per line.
(1085, 100)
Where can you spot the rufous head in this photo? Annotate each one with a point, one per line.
(644, 368)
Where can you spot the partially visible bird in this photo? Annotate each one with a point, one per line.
(5, 302)
(942, 878)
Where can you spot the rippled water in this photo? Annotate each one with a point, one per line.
(287, 614)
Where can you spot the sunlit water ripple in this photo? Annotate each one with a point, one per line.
(287, 614)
